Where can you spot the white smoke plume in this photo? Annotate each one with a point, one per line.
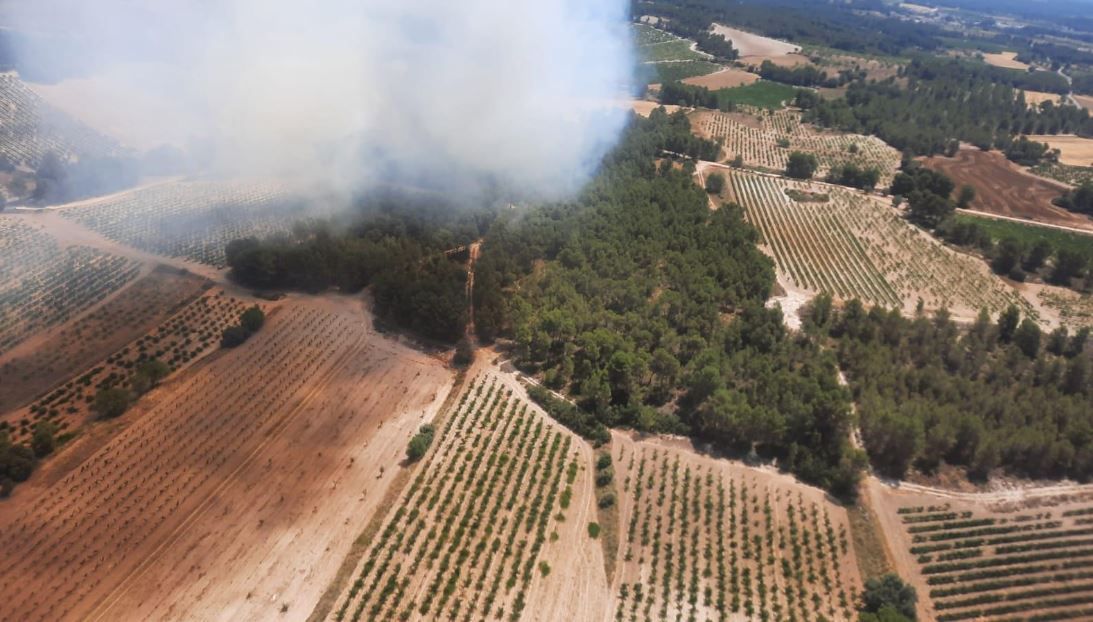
(516, 92)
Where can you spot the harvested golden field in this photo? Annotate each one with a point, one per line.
(727, 78)
(645, 108)
(751, 44)
(1007, 60)
(765, 139)
(1073, 150)
(1085, 101)
(1035, 98)
(838, 240)
(232, 491)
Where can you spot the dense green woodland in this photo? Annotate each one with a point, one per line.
(647, 308)
(999, 394)
(945, 100)
(396, 244)
(846, 25)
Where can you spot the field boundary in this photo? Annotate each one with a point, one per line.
(330, 596)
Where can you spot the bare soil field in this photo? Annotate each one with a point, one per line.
(994, 555)
(39, 363)
(727, 78)
(782, 60)
(1002, 187)
(704, 538)
(750, 44)
(645, 108)
(231, 492)
(1073, 150)
(1085, 101)
(1005, 59)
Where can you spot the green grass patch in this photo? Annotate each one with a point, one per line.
(762, 94)
(1031, 234)
(659, 73)
(680, 49)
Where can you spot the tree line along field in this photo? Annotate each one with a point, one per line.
(764, 139)
(851, 245)
(192, 220)
(1033, 563)
(705, 539)
(66, 400)
(43, 285)
(242, 472)
(466, 540)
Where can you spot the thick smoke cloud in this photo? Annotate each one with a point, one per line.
(348, 92)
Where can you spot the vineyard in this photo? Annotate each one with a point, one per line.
(192, 220)
(853, 246)
(704, 539)
(29, 128)
(764, 139)
(1034, 564)
(43, 285)
(466, 540)
(190, 333)
(252, 473)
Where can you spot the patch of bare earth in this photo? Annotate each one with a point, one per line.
(1073, 150)
(231, 492)
(1003, 188)
(727, 78)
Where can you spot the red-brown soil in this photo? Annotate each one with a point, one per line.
(1002, 187)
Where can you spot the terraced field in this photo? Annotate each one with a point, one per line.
(855, 246)
(764, 139)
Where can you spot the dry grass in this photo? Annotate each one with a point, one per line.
(1005, 59)
(1073, 150)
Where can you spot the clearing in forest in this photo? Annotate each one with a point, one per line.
(1007, 60)
(764, 139)
(854, 245)
(726, 78)
(750, 44)
(993, 560)
(232, 491)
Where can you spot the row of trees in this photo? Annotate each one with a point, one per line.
(649, 312)
(946, 100)
(396, 244)
(998, 394)
(807, 75)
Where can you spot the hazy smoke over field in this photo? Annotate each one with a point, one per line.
(350, 91)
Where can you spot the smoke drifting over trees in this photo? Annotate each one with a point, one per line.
(354, 91)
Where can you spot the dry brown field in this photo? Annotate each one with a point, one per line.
(645, 108)
(232, 491)
(727, 78)
(751, 44)
(1007, 60)
(1085, 101)
(1073, 150)
(1003, 188)
(1035, 98)
(992, 556)
(48, 359)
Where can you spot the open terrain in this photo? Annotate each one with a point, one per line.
(1004, 188)
(1007, 60)
(234, 490)
(751, 45)
(1073, 150)
(726, 78)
